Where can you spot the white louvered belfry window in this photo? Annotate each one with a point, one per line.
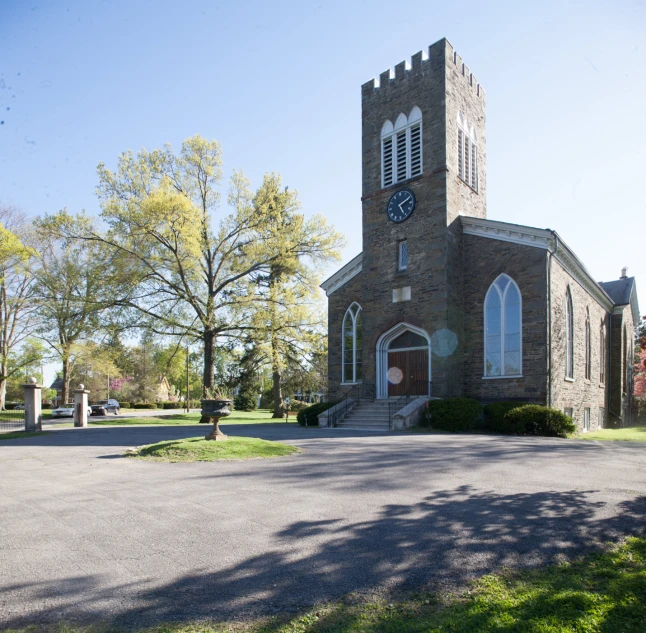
(461, 154)
(415, 150)
(467, 153)
(401, 148)
(401, 156)
(387, 161)
(474, 167)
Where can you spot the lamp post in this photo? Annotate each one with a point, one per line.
(188, 385)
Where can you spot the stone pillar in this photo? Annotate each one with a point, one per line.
(33, 414)
(80, 406)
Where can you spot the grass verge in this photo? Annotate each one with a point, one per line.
(602, 593)
(197, 449)
(19, 435)
(631, 434)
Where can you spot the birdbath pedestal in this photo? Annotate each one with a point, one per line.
(214, 410)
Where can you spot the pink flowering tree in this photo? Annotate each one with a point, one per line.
(640, 373)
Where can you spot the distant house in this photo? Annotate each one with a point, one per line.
(58, 386)
(310, 396)
(163, 390)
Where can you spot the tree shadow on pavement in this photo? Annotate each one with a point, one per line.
(445, 540)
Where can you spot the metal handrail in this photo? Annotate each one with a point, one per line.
(404, 400)
(360, 391)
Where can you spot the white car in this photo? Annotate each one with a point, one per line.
(67, 411)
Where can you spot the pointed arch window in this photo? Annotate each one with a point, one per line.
(588, 346)
(625, 361)
(569, 336)
(467, 152)
(401, 148)
(503, 329)
(602, 352)
(352, 345)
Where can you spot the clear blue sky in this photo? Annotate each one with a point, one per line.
(278, 83)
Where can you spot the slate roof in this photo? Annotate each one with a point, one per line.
(619, 290)
(57, 384)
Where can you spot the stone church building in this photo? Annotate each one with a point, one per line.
(445, 302)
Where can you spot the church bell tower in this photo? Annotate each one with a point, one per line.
(423, 166)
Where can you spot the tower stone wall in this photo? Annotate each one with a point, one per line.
(441, 86)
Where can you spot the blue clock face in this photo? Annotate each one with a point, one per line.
(401, 205)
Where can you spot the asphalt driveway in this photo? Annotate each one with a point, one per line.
(88, 535)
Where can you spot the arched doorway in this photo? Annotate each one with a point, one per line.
(403, 362)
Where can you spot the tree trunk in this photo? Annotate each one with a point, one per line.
(3, 388)
(279, 408)
(208, 377)
(279, 405)
(66, 378)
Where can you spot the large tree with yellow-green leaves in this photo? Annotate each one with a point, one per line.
(288, 317)
(193, 263)
(17, 311)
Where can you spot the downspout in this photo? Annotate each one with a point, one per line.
(549, 332)
(609, 385)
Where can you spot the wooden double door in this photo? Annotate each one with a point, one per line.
(408, 373)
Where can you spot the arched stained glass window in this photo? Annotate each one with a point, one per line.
(503, 328)
(352, 366)
(588, 346)
(569, 336)
(624, 355)
(602, 352)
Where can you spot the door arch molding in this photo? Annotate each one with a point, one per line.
(383, 343)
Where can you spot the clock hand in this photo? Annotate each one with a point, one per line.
(404, 202)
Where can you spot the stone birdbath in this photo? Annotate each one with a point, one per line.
(212, 411)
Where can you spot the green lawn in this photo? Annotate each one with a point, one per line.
(632, 434)
(197, 449)
(18, 435)
(261, 416)
(20, 415)
(12, 415)
(603, 593)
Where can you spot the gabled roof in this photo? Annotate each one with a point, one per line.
(57, 384)
(623, 291)
(539, 238)
(343, 275)
(619, 289)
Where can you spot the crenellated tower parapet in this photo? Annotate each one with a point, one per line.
(416, 65)
(436, 92)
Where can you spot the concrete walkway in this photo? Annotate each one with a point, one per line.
(89, 535)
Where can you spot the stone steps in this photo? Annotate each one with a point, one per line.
(369, 415)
